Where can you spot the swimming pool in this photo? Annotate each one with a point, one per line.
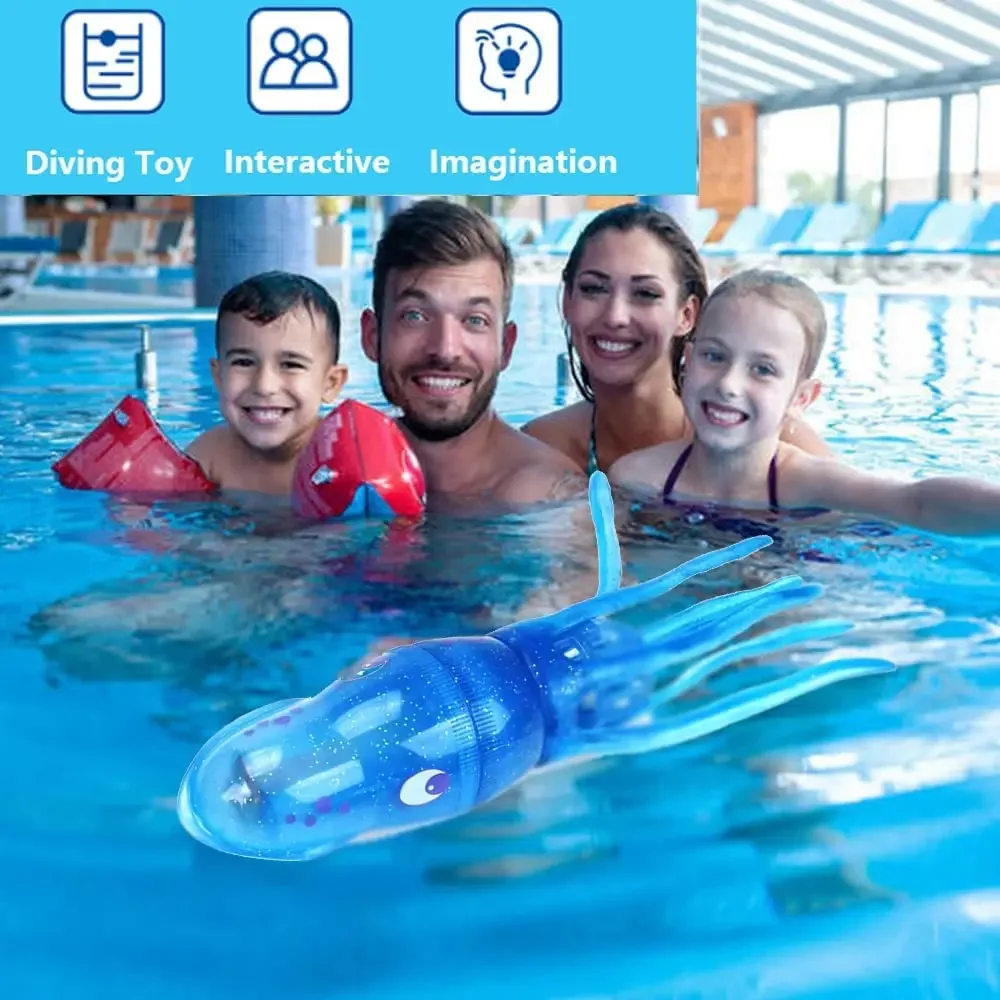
(844, 846)
(121, 279)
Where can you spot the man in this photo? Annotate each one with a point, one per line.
(439, 331)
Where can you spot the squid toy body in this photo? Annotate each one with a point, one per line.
(427, 732)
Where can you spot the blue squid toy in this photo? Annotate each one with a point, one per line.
(428, 731)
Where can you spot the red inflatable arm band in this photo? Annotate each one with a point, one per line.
(129, 453)
(358, 464)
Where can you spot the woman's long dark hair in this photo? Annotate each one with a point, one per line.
(689, 272)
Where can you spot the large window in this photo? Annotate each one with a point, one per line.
(865, 127)
(797, 162)
(913, 145)
(989, 143)
(962, 147)
(893, 152)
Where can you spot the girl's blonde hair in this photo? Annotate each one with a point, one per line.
(787, 292)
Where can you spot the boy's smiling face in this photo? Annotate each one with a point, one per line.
(273, 378)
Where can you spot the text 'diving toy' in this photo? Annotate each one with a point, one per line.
(428, 731)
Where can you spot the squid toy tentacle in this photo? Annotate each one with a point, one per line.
(426, 732)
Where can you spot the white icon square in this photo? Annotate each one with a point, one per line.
(299, 61)
(508, 62)
(112, 61)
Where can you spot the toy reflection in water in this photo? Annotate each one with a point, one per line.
(428, 731)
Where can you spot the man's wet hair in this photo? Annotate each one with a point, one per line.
(435, 232)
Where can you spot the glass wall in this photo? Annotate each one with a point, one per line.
(797, 157)
(865, 126)
(893, 152)
(913, 147)
(989, 143)
(962, 147)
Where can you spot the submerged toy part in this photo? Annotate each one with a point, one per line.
(428, 731)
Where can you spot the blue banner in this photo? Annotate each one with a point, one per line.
(378, 97)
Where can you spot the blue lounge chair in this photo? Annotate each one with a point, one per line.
(550, 235)
(702, 224)
(830, 228)
(947, 227)
(74, 238)
(946, 230)
(984, 239)
(743, 236)
(22, 259)
(171, 238)
(786, 231)
(979, 257)
(516, 231)
(801, 229)
(564, 245)
(896, 231)
(782, 233)
(549, 250)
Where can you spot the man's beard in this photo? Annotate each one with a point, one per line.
(445, 428)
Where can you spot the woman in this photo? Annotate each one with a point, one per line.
(633, 287)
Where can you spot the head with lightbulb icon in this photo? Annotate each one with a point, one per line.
(509, 56)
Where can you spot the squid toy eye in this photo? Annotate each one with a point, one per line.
(356, 673)
(424, 787)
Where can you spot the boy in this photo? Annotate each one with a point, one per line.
(277, 344)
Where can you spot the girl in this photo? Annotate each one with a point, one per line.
(748, 370)
(633, 287)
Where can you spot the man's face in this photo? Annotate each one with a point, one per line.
(442, 345)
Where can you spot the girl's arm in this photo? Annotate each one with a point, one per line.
(946, 505)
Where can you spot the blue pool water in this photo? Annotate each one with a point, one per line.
(843, 846)
(169, 282)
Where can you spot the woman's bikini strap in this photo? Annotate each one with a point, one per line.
(668, 486)
(772, 479)
(772, 484)
(592, 464)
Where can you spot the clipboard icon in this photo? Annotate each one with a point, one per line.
(113, 61)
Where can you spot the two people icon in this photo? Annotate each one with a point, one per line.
(296, 63)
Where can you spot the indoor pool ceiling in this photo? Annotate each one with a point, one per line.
(796, 53)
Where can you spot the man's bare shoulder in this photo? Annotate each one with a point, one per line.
(537, 472)
(566, 429)
(542, 483)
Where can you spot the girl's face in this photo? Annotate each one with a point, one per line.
(741, 379)
(624, 307)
